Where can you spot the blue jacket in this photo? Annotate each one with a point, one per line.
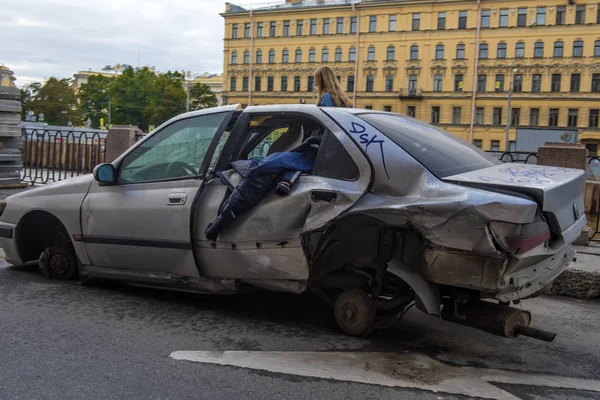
(326, 101)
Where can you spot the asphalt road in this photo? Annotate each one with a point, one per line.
(65, 341)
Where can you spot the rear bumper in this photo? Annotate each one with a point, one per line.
(8, 244)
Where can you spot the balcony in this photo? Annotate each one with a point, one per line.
(410, 94)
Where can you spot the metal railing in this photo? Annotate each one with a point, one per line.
(52, 155)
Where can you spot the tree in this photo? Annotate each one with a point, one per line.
(56, 100)
(93, 99)
(201, 97)
(27, 94)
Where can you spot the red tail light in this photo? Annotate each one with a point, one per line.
(519, 238)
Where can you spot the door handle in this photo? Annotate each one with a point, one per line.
(176, 199)
(323, 195)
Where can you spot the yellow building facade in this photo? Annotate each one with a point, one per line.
(6, 77)
(449, 62)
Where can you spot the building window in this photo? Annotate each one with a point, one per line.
(259, 29)
(326, 24)
(460, 51)
(296, 84)
(578, 48)
(573, 116)
(245, 84)
(541, 16)
(522, 17)
(458, 82)
(501, 53)
(234, 31)
(411, 111)
(503, 23)
(313, 26)
(246, 30)
(580, 15)
(234, 57)
(233, 84)
(477, 142)
(350, 84)
(534, 117)
(338, 54)
(270, 83)
(353, 24)
(352, 54)
(369, 85)
(495, 145)
(575, 82)
(339, 78)
(416, 22)
(441, 21)
(373, 23)
(298, 55)
(368, 107)
(518, 83)
(389, 83)
(310, 84)
(536, 83)
(561, 12)
(462, 19)
(596, 83)
(299, 27)
(538, 50)
(286, 28)
(593, 120)
(392, 23)
(456, 115)
(555, 87)
(520, 50)
(284, 83)
(559, 48)
(285, 56)
(439, 52)
(387, 108)
(485, 18)
(257, 82)
(500, 83)
(312, 55)
(479, 116)
(497, 116)
(414, 52)
(391, 53)
(340, 26)
(435, 115)
(246, 57)
(553, 117)
(259, 56)
(597, 46)
(515, 117)
(412, 83)
(481, 82)
(371, 53)
(483, 50)
(271, 56)
(273, 29)
(325, 55)
(437, 83)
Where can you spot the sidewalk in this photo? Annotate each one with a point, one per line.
(582, 279)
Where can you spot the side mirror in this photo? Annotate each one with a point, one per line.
(105, 174)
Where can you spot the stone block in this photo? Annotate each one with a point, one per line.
(566, 155)
(584, 238)
(118, 139)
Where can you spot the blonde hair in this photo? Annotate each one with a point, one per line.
(327, 83)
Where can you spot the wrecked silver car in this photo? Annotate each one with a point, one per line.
(375, 212)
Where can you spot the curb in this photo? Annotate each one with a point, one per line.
(576, 283)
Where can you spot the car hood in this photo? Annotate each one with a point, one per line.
(77, 185)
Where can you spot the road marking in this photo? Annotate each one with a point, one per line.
(407, 370)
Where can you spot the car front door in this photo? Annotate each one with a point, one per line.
(142, 221)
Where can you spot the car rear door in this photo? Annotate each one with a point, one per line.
(265, 243)
(142, 222)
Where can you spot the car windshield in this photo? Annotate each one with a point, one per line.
(439, 151)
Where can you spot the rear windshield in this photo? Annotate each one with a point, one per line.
(440, 152)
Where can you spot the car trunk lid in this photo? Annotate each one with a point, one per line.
(558, 191)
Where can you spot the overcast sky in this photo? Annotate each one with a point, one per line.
(44, 38)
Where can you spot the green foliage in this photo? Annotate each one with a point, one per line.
(56, 100)
(201, 97)
(93, 99)
(27, 94)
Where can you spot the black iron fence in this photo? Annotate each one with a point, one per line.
(51, 155)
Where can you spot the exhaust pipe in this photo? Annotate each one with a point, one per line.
(496, 319)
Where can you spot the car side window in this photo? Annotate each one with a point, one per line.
(177, 151)
(333, 161)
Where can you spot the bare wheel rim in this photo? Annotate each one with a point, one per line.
(350, 313)
(59, 264)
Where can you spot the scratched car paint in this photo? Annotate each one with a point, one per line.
(412, 216)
